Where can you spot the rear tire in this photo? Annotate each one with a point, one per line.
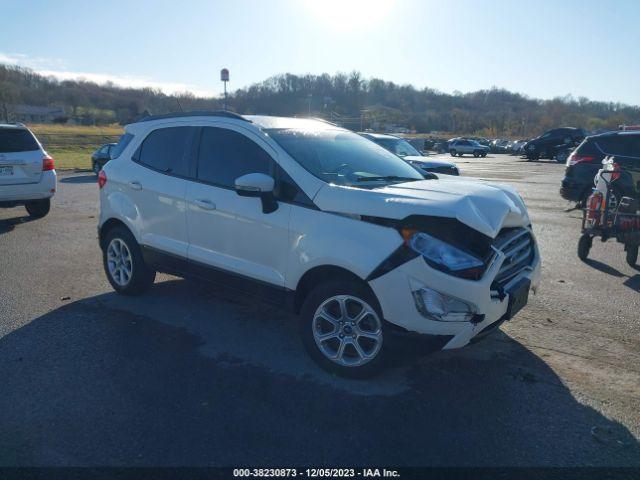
(38, 208)
(632, 254)
(349, 318)
(123, 263)
(584, 246)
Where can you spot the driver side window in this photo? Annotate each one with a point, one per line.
(225, 155)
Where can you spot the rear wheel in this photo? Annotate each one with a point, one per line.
(341, 329)
(38, 208)
(123, 263)
(632, 254)
(584, 246)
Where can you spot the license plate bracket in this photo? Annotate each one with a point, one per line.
(518, 297)
(6, 171)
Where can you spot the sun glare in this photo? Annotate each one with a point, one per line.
(350, 14)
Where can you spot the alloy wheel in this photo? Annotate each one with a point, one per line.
(347, 330)
(119, 262)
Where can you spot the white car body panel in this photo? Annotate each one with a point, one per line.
(45, 188)
(232, 233)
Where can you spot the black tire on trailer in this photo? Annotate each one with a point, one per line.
(632, 254)
(584, 246)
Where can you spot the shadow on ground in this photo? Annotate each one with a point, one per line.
(192, 375)
(9, 224)
(91, 178)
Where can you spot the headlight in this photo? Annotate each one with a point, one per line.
(446, 257)
(438, 306)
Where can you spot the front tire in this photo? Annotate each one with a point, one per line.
(632, 254)
(342, 330)
(584, 246)
(124, 265)
(452, 152)
(38, 208)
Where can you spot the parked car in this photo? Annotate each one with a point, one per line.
(27, 172)
(462, 145)
(101, 156)
(412, 156)
(586, 160)
(498, 146)
(319, 219)
(552, 141)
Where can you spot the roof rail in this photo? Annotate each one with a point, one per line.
(195, 113)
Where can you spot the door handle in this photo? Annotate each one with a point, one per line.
(205, 204)
(135, 185)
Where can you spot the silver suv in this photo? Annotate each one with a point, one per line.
(461, 146)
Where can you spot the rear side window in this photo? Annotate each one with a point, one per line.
(621, 145)
(225, 155)
(164, 150)
(121, 145)
(17, 140)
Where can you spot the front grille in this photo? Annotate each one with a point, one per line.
(517, 246)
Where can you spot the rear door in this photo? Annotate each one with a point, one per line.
(155, 181)
(20, 157)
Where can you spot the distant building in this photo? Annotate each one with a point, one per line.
(32, 114)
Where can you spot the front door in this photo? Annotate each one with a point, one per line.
(229, 233)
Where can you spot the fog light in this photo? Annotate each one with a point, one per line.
(438, 306)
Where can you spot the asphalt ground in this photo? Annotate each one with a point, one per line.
(192, 374)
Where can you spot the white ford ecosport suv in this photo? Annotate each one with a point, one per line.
(318, 219)
(27, 174)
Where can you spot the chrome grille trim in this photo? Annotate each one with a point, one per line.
(517, 246)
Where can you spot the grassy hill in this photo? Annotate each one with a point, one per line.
(72, 145)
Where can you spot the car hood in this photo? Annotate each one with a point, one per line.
(482, 206)
(429, 162)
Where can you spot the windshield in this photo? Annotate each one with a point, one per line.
(343, 158)
(398, 146)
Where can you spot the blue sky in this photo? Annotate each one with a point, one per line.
(539, 48)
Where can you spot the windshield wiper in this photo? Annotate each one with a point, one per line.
(386, 177)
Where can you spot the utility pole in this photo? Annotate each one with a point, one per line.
(309, 96)
(224, 77)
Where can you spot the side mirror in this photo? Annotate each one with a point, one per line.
(258, 185)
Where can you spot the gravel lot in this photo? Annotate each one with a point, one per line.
(192, 374)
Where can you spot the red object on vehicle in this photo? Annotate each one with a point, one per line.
(48, 163)
(102, 179)
(574, 158)
(615, 175)
(594, 206)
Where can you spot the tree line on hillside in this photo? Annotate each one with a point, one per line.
(350, 100)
